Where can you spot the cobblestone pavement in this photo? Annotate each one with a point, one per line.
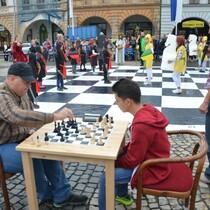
(84, 179)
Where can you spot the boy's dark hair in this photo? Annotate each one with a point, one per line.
(126, 88)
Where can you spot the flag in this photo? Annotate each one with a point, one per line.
(176, 10)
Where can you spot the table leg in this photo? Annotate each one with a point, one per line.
(29, 181)
(110, 189)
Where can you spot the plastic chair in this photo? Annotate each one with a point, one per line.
(3, 178)
(183, 171)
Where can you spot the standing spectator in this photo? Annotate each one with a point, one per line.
(120, 51)
(82, 55)
(180, 63)
(60, 66)
(199, 51)
(6, 47)
(34, 89)
(93, 54)
(205, 58)
(74, 55)
(17, 52)
(43, 70)
(141, 42)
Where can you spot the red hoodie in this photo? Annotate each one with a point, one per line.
(149, 140)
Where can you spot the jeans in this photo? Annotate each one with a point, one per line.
(207, 134)
(59, 81)
(122, 178)
(50, 179)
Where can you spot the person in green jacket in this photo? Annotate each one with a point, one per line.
(141, 42)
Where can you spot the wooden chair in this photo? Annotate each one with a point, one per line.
(184, 170)
(3, 177)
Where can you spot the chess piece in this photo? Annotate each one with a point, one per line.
(77, 130)
(59, 126)
(93, 139)
(100, 141)
(67, 133)
(38, 144)
(62, 138)
(105, 133)
(88, 133)
(46, 138)
(97, 122)
(110, 123)
(83, 131)
(55, 129)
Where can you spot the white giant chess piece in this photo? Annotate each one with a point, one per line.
(192, 45)
(169, 53)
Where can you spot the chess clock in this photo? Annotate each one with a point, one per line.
(92, 117)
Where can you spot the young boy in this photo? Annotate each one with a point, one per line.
(148, 140)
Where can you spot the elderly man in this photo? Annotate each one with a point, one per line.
(17, 121)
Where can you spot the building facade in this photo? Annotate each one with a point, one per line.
(43, 19)
(195, 18)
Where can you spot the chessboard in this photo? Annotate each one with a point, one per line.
(86, 133)
(87, 93)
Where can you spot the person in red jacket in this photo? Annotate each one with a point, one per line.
(148, 139)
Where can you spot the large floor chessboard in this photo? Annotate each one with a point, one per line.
(87, 93)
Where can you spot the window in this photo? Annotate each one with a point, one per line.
(26, 5)
(194, 1)
(3, 3)
(41, 4)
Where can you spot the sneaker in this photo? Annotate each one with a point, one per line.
(178, 91)
(125, 200)
(72, 200)
(36, 106)
(202, 71)
(60, 89)
(204, 179)
(65, 88)
(45, 205)
(107, 82)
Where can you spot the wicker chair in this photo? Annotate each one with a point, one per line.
(3, 177)
(183, 171)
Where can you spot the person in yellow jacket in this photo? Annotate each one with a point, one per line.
(147, 57)
(180, 63)
(205, 59)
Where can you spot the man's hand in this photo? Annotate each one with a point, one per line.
(63, 114)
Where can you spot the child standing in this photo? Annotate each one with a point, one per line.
(147, 57)
(60, 65)
(74, 57)
(82, 55)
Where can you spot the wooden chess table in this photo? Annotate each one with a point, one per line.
(105, 155)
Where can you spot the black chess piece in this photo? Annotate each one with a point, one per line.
(59, 126)
(77, 130)
(62, 139)
(107, 117)
(56, 128)
(46, 138)
(112, 121)
(67, 133)
(70, 123)
(74, 125)
(63, 123)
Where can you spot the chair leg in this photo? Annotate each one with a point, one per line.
(5, 194)
(139, 200)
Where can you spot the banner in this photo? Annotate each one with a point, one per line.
(176, 10)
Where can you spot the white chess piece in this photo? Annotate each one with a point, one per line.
(192, 45)
(169, 53)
